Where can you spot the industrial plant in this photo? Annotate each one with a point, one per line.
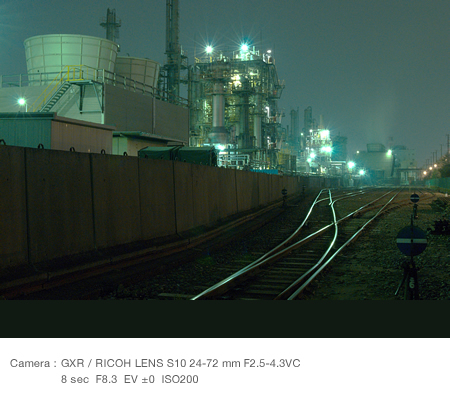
(83, 82)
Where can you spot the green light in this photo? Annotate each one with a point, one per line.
(244, 47)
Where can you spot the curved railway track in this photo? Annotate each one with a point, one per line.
(285, 272)
(308, 240)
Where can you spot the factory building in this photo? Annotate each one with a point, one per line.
(232, 102)
(320, 152)
(84, 78)
(50, 131)
(406, 171)
(233, 99)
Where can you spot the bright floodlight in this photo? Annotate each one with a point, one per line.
(324, 134)
(244, 47)
(209, 49)
(361, 172)
(23, 102)
(313, 155)
(220, 147)
(327, 149)
(389, 152)
(351, 165)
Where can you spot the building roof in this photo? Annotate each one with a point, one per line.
(51, 116)
(145, 136)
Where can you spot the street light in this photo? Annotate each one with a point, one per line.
(22, 102)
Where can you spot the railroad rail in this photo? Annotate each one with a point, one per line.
(132, 265)
(287, 270)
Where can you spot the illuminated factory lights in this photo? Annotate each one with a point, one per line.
(324, 134)
(361, 172)
(23, 102)
(351, 165)
(244, 47)
(209, 49)
(326, 149)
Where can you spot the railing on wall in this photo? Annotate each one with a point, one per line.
(81, 72)
(70, 73)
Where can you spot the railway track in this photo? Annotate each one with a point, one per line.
(305, 236)
(286, 272)
(92, 279)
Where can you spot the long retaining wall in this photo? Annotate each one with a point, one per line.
(55, 204)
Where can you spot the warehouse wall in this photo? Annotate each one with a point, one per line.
(128, 111)
(57, 203)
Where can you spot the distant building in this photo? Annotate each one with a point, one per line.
(406, 171)
(339, 148)
(377, 163)
(81, 78)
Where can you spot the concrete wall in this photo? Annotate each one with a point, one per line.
(157, 198)
(56, 203)
(171, 121)
(115, 181)
(59, 203)
(129, 111)
(184, 198)
(13, 212)
(10, 95)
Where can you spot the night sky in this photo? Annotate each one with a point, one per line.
(374, 69)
